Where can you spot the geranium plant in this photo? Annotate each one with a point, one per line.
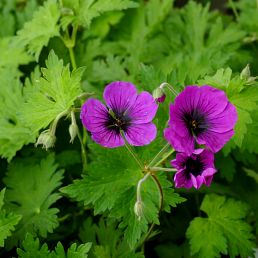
(128, 128)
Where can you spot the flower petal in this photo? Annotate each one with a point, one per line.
(108, 138)
(119, 95)
(180, 161)
(224, 121)
(181, 180)
(94, 115)
(197, 181)
(141, 134)
(179, 143)
(213, 140)
(144, 109)
(208, 175)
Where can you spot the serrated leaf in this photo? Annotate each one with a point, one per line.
(112, 169)
(36, 33)
(53, 94)
(31, 248)
(30, 192)
(13, 133)
(205, 43)
(12, 55)
(8, 221)
(89, 10)
(225, 230)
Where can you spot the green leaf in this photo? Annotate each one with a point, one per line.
(205, 43)
(111, 69)
(36, 33)
(224, 231)
(8, 221)
(12, 54)
(103, 244)
(112, 169)
(13, 133)
(31, 248)
(226, 166)
(30, 192)
(242, 95)
(86, 11)
(252, 174)
(52, 95)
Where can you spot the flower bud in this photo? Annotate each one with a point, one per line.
(138, 209)
(47, 139)
(159, 95)
(73, 130)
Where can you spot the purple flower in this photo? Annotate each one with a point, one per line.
(194, 169)
(126, 111)
(203, 115)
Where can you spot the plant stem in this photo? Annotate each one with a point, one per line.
(164, 158)
(158, 154)
(154, 169)
(72, 57)
(139, 198)
(156, 180)
(83, 152)
(131, 151)
(234, 9)
(165, 84)
(134, 155)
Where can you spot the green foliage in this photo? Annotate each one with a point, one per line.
(111, 169)
(204, 43)
(226, 166)
(104, 245)
(86, 11)
(146, 43)
(225, 230)
(30, 192)
(243, 96)
(36, 33)
(12, 55)
(8, 221)
(13, 133)
(32, 249)
(52, 95)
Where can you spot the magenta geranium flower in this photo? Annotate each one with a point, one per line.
(194, 169)
(125, 111)
(200, 115)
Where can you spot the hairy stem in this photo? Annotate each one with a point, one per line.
(164, 158)
(133, 154)
(167, 85)
(155, 169)
(160, 153)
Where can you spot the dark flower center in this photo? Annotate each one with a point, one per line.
(118, 121)
(193, 166)
(195, 122)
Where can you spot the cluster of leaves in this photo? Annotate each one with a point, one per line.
(56, 53)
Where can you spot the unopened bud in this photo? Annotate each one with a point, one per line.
(138, 209)
(47, 139)
(245, 74)
(73, 130)
(159, 95)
